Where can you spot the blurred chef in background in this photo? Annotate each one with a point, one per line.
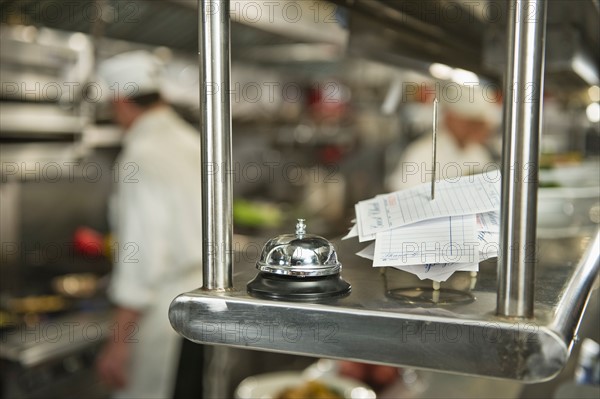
(156, 217)
(468, 121)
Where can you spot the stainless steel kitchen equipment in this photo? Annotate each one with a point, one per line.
(489, 336)
(54, 358)
(473, 36)
(44, 74)
(371, 325)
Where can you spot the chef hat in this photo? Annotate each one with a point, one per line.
(130, 74)
(472, 102)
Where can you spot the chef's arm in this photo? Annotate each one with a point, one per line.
(137, 272)
(112, 363)
(124, 327)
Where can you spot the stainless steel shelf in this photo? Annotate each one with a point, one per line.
(374, 324)
(21, 119)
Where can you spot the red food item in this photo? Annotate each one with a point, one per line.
(87, 241)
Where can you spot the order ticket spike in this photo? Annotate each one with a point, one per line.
(434, 147)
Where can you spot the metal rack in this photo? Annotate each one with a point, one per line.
(508, 323)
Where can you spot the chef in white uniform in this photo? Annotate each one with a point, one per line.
(467, 123)
(156, 217)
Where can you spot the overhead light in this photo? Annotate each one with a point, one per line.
(440, 71)
(593, 112)
(585, 68)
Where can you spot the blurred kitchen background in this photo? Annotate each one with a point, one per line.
(324, 100)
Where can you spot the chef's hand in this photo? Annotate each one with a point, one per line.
(113, 363)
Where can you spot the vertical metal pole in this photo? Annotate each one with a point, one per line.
(215, 128)
(522, 125)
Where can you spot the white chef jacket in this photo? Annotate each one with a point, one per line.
(415, 166)
(156, 215)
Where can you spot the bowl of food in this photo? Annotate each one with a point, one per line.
(295, 385)
(568, 200)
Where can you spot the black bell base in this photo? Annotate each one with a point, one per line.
(292, 288)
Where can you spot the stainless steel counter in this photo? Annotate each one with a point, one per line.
(33, 345)
(375, 324)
